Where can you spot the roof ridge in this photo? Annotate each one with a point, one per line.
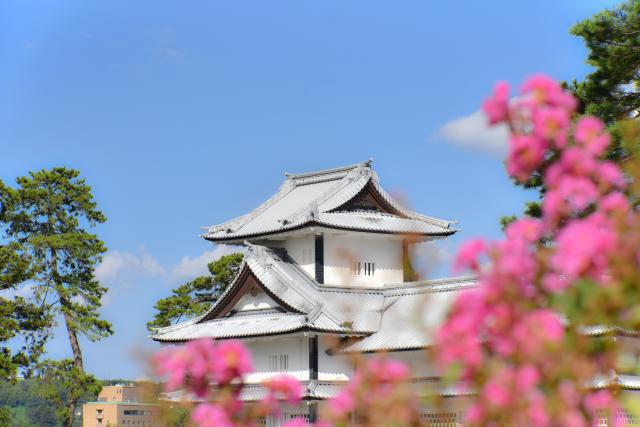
(285, 188)
(312, 208)
(328, 171)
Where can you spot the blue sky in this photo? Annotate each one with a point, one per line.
(185, 114)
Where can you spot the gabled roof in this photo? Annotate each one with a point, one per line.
(331, 198)
(412, 316)
(378, 314)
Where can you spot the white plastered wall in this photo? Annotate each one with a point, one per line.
(301, 249)
(260, 301)
(342, 249)
(296, 348)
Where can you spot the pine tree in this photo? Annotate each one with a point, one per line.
(20, 317)
(611, 92)
(49, 216)
(194, 297)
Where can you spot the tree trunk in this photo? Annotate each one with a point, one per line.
(71, 331)
(68, 320)
(73, 340)
(72, 415)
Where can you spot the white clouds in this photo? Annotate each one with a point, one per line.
(118, 264)
(121, 271)
(189, 268)
(474, 132)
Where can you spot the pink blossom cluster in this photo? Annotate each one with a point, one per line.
(379, 393)
(502, 336)
(200, 363)
(213, 372)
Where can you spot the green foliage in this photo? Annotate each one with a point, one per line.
(177, 417)
(612, 91)
(65, 385)
(612, 37)
(47, 214)
(5, 417)
(194, 297)
(45, 219)
(506, 220)
(19, 317)
(408, 272)
(27, 408)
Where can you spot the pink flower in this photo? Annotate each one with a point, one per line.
(573, 419)
(568, 392)
(554, 283)
(285, 387)
(458, 338)
(547, 322)
(342, 403)
(497, 394)
(388, 370)
(598, 400)
(550, 122)
(474, 414)
(188, 365)
(536, 412)
(468, 255)
(614, 203)
(537, 330)
(232, 361)
(172, 362)
(200, 353)
(528, 230)
(514, 262)
(582, 248)
(579, 192)
(578, 162)
(526, 153)
(546, 91)
(610, 174)
(496, 107)
(591, 134)
(526, 378)
(553, 206)
(208, 415)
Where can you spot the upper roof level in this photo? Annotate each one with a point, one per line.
(346, 198)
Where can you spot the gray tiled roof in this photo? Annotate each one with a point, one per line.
(626, 382)
(381, 315)
(313, 390)
(322, 390)
(316, 309)
(411, 318)
(237, 326)
(312, 199)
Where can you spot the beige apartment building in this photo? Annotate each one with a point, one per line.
(120, 405)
